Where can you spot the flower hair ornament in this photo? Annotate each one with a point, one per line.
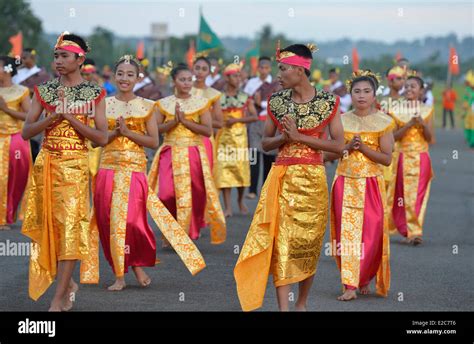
(8, 68)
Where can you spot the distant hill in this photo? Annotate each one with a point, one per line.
(434, 48)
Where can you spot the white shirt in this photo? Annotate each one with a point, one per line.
(345, 102)
(142, 84)
(336, 85)
(254, 84)
(211, 80)
(429, 98)
(25, 73)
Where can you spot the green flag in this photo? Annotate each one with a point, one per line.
(254, 51)
(252, 56)
(207, 39)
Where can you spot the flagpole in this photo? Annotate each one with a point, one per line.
(448, 77)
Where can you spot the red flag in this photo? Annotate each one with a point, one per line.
(17, 44)
(254, 65)
(355, 60)
(140, 50)
(190, 54)
(453, 61)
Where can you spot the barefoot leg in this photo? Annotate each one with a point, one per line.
(283, 293)
(240, 199)
(365, 290)
(63, 279)
(304, 288)
(118, 285)
(349, 294)
(70, 296)
(227, 202)
(143, 279)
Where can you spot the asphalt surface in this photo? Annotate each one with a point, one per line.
(435, 276)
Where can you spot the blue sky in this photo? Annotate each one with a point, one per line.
(315, 20)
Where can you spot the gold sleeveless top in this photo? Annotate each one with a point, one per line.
(370, 128)
(311, 119)
(209, 93)
(80, 100)
(193, 108)
(123, 153)
(413, 140)
(13, 96)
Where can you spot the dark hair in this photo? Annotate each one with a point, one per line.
(127, 60)
(264, 58)
(300, 50)
(203, 58)
(418, 79)
(7, 60)
(372, 81)
(179, 68)
(89, 61)
(28, 50)
(333, 70)
(79, 40)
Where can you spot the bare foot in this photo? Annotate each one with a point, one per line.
(228, 213)
(365, 290)
(300, 308)
(70, 296)
(55, 307)
(348, 295)
(243, 208)
(165, 243)
(417, 241)
(251, 195)
(407, 241)
(118, 285)
(143, 279)
(5, 228)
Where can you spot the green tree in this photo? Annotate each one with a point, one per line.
(101, 42)
(17, 16)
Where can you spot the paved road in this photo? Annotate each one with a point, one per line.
(431, 277)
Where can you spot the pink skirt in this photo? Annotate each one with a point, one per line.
(140, 243)
(400, 209)
(209, 151)
(18, 171)
(372, 227)
(166, 189)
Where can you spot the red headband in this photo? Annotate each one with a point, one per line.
(88, 68)
(296, 60)
(73, 49)
(232, 69)
(68, 45)
(292, 59)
